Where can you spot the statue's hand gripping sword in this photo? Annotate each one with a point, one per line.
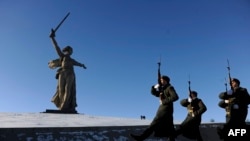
(54, 30)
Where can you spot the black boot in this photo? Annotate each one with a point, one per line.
(171, 139)
(220, 132)
(136, 137)
(146, 133)
(177, 132)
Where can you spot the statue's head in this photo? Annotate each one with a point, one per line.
(68, 50)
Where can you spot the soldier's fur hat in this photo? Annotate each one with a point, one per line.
(166, 78)
(236, 80)
(194, 93)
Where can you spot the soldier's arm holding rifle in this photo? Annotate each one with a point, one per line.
(228, 94)
(184, 102)
(187, 101)
(156, 90)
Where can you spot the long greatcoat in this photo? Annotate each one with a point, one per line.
(163, 121)
(241, 98)
(237, 110)
(190, 126)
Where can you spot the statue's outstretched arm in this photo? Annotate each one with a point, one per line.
(79, 64)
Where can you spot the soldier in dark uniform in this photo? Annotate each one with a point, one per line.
(190, 126)
(162, 125)
(236, 102)
(225, 105)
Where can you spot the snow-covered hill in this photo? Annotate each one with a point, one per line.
(27, 126)
(64, 120)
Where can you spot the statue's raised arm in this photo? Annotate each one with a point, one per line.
(52, 36)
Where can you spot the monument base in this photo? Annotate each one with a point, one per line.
(60, 111)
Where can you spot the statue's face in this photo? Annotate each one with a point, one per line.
(67, 50)
(67, 53)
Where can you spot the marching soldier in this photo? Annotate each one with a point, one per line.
(162, 125)
(226, 103)
(190, 126)
(236, 102)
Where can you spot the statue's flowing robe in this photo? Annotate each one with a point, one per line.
(65, 96)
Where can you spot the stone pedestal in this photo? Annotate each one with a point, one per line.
(60, 111)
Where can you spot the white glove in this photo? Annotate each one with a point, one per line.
(236, 106)
(189, 99)
(192, 114)
(226, 101)
(156, 86)
(229, 92)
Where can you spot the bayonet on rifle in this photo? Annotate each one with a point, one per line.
(189, 85)
(226, 84)
(159, 75)
(229, 75)
(159, 72)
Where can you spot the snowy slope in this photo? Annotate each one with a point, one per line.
(36, 120)
(64, 120)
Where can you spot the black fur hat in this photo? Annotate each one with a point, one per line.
(166, 78)
(194, 93)
(236, 80)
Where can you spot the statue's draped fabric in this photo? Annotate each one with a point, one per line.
(65, 96)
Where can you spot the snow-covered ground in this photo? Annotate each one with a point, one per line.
(33, 120)
(64, 120)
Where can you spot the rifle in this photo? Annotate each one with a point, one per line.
(190, 106)
(229, 76)
(159, 82)
(189, 87)
(228, 108)
(159, 75)
(226, 84)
